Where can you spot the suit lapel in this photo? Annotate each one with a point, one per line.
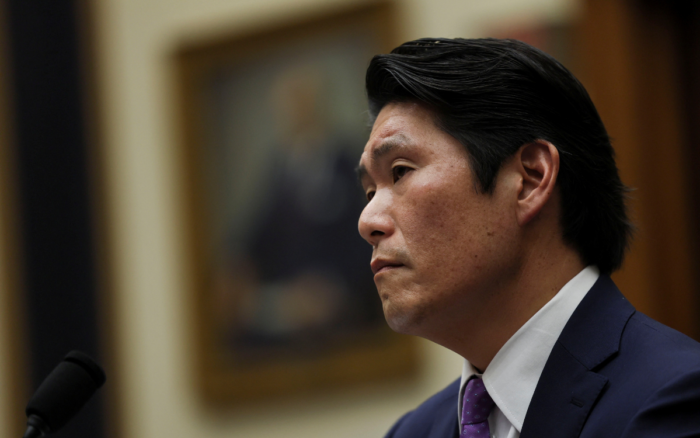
(564, 396)
(569, 386)
(446, 426)
(445, 419)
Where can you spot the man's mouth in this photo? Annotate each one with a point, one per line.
(382, 265)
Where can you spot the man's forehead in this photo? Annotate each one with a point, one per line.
(393, 129)
(396, 125)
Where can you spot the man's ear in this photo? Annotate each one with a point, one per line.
(538, 164)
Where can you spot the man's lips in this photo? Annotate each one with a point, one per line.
(380, 265)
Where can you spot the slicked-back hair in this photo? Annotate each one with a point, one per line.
(495, 96)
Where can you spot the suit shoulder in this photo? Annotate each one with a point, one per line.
(650, 356)
(667, 347)
(440, 408)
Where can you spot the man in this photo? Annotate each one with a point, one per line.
(496, 214)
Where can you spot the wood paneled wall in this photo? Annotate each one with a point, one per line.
(632, 59)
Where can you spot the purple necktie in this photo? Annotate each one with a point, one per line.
(476, 408)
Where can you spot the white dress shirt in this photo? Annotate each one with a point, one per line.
(512, 375)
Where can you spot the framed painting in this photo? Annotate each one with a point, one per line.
(274, 122)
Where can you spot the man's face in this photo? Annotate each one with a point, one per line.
(440, 247)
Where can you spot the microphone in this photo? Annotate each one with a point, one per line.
(62, 394)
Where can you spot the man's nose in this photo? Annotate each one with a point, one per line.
(375, 221)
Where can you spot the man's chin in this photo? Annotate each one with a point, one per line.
(403, 319)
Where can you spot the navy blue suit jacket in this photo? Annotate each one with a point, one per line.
(613, 372)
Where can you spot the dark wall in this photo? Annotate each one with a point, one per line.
(47, 77)
(687, 14)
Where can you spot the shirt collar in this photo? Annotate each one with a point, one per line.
(512, 375)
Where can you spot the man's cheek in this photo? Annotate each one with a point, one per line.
(432, 224)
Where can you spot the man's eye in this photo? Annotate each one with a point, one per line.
(370, 195)
(398, 172)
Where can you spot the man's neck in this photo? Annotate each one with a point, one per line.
(478, 337)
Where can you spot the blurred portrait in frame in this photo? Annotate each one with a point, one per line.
(273, 125)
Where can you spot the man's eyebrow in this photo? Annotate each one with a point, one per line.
(390, 144)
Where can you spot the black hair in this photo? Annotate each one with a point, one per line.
(496, 95)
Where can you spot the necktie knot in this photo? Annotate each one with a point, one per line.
(476, 407)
